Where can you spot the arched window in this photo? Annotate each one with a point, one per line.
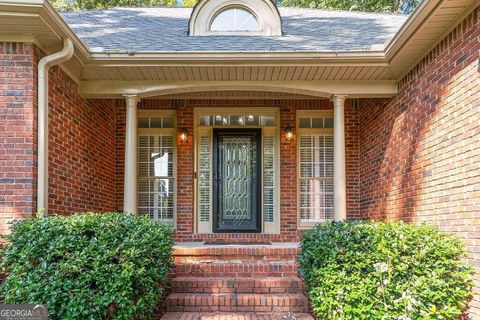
(234, 19)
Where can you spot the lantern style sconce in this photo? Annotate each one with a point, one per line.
(183, 135)
(288, 133)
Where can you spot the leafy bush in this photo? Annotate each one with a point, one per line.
(88, 266)
(372, 270)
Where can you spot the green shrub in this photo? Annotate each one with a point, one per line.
(88, 266)
(373, 270)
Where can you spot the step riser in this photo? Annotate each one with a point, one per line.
(237, 290)
(236, 270)
(237, 303)
(252, 285)
(242, 250)
(190, 259)
(237, 309)
(236, 316)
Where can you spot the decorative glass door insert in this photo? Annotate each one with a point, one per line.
(236, 180)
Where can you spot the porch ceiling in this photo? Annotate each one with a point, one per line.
(271, 72)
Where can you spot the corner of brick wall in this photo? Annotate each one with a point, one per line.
(18, 104)
(420, 151)
(81, 138)
(81, 149)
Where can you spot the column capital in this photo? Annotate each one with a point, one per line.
(131, 99)
(339, 99)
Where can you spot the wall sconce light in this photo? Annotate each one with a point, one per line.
(288, 133)
(183, 135)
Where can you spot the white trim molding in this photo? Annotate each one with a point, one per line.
(319, 89)
(264, 11)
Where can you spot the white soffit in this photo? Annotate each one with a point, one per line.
(427, 26)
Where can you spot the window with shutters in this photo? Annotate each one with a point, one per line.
(315, 177)
(156, 165)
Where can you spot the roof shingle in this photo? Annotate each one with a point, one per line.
(165, 30)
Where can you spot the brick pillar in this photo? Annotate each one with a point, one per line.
(185, 179)
(288, 173)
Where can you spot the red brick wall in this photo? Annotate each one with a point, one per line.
(18, 86)
(81, 149)
(82, 141)
(420, 151)
(288, 165)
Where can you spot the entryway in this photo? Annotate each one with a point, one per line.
(236, 180)
(237, 172)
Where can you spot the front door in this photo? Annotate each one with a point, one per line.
(236, 180)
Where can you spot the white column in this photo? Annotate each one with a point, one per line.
(339, 179)
(130, 196)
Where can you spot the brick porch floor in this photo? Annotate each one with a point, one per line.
(236, 282)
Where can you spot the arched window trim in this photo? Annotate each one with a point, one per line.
(265, 11)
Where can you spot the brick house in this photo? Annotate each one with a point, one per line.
(243, 122)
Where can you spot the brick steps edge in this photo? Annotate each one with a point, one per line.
(230, 302)
(236, 316)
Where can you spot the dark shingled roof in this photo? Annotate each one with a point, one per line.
(165, 30)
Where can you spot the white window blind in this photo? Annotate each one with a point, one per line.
(269, 178)
(204, 187)
(315, 146)
(156, 189)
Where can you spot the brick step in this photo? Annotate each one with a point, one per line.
(189, 259)
(231, 302)
(237, 285)
(221, 268)
(235, 316)
(180, 253)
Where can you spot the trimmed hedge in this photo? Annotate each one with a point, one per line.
(374, 270)
(88, 266)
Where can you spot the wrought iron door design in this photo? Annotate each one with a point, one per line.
(236, 180)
